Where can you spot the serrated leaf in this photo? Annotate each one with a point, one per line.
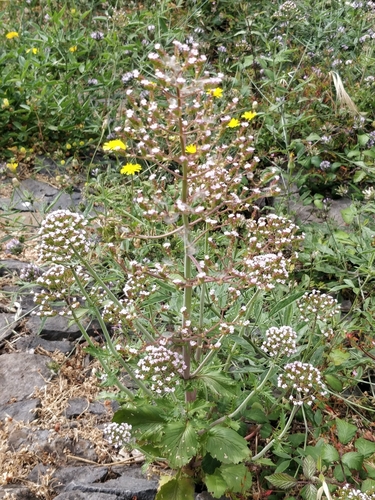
(309, 467)
(365, 447)
(310, 492)
(218, 383)
(338, 356)
(345, 431)
(367, 485)
(257, 415)
(282, 480)
(353, 460)
(226, 445)
(283, 466)
(216, 484)
(180, 443)
(146, 419)
(237, 477)
(329, 453)
(176, 489)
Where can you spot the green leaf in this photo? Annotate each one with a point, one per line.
(210, 464)
(226, 445)
(285, 302)
(345, 431)
(365, 447)
(329, 453)
(339, 474)
(313, 137)
(145, 418)
(283, 466)
(180, 443)
(217, 382)
(348, 214)
(237, 477)
(282, 480)
(334, 382)
(216, 484)
(367, 485)
(176, 489)
(309, 467)
(310, 492)
(257, 415)
(359, 176)
(353, 460)
(339, 357)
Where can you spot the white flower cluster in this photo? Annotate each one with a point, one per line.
(162, 367)
(280, 341)
(264, 271)
(304, 380)
(63, 233)
(118, 435)
(347, 492)
(317, 304)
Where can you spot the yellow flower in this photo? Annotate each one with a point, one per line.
(234, 123)
(249, 115)
(5, 103)
(218, 92)
(22, 150)
(62, 162)
(68, 146)
(115, 145)
(34, 50)
(73, 48)
(130, 169)
(11, 34)
(72, 11)
(191, 149)
(12, 166)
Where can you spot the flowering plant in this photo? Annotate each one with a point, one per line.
(191, 280)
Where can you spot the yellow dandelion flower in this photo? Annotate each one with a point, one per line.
(234, 123)
(73, 48)
(11, 34)
(5, 103)
(218, 92)
(115, 145)
(34, 50)
(249, 115)
(68, 146)
(12, 166)
(130, 169)
(191, 149)
(73, 11)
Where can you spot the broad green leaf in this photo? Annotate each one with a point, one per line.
(339, 474)
(339, 357)
(216, 484)
(313, 137)
(180, 443)
(283, 466)
(226, 445)
(256, 415)
(345, 431)
(264, 461)
(282, 480)
(145, 418)
(365, 447)
(367, 485)
(176, 489)
(334, 382)
(310, 492)
(348, 214)
(237, 477)
(359, 176)
(309, 467)
(290, 299)
(353, 460)
(217, 382)
(329, 453)
(363, 139)
(210, 464)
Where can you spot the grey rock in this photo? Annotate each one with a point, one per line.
(20, 373)
(35, 195)
(16, 492)
(86, 473)
(125, 487)
(33, 341)
(23, 411)
(207, 496)
(77, 406)
(11, 266)
(78, 495)
(7, 325)
(57, 328)
(84, 449)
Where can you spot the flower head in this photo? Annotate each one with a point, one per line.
(191, 149)
(233, 123)
(11, 34)
(249, 115)
(218, 92)
(115, 145)
(73, 48)
(12, 166)
(34, 50)
(5, 103)
(130, 169)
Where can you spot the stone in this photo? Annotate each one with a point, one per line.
(57, 328)
(86, 473)
(31, 342)
(7, 325)
(23, 411)
(77, 495)
(16, 492)
(11, 266)
(20, 373)
(77, 406)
